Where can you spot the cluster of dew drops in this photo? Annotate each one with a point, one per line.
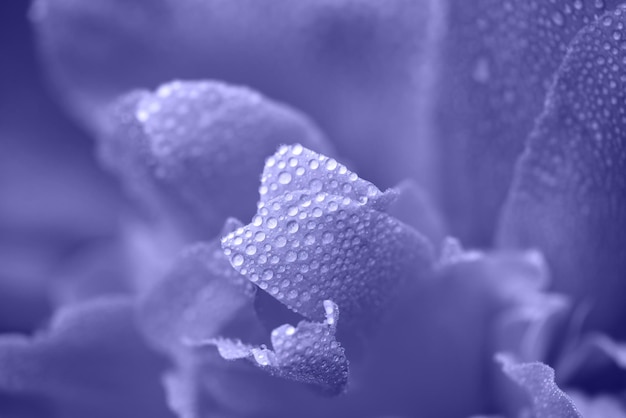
(301, 219)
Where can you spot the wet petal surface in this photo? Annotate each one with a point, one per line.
(319, 234)
(569, 195)
(192, 151)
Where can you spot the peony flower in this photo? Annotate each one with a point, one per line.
(340, 208)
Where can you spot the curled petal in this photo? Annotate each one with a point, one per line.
(307, 353)
(319, 234)
(361, 69)
(193, 150)
(548, 401)
(569, 195)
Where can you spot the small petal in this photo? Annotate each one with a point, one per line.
(319, 234)
(307, 353)
(569, 197)
(192, 151)
(548, 401)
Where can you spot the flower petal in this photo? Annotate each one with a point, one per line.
(498, 60)
(358, 68)
(307, 353)
(201, 297)
(193, 150)
(415, 207)
(569, 197)
(599, 406)
(92, 362)
(324, 238)
(548, 401)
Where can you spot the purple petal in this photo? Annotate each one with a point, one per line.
(358, 68)
(319, 234)
(569, 196)
(91, 362)
(201, 297)
(547, 400)
(192, 151)
(307, 353)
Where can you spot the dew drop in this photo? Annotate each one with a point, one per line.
(292, 227)
(237, 260)
(284, 177)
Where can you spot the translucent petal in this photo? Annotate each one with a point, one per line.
(499, 58)
(547, 400)
(307, 353)
(91, 362)
(324, 238)
(192, 151)
(569, 196)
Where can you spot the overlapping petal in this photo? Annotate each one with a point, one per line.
(91, 362)
(321, 233)
(569, 195)
(498, 61)
(307, 353)
(201, 297)
(192, 151)
(547, 400)
(360, 69)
